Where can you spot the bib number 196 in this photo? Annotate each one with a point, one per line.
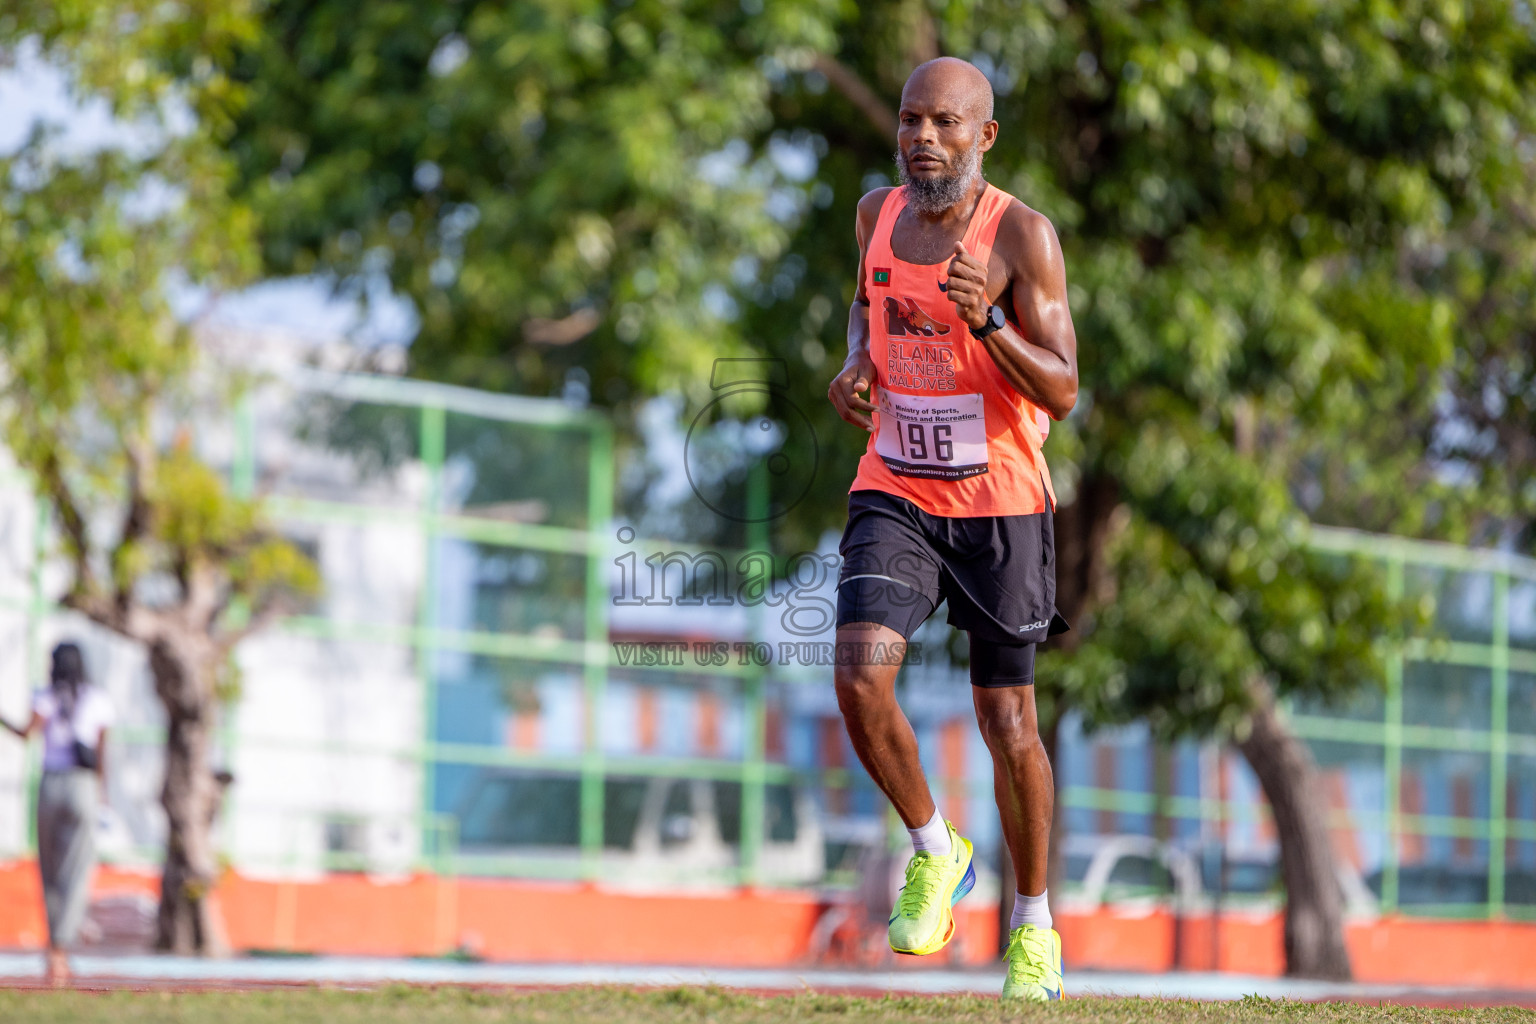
(915, 441)
(942, 438)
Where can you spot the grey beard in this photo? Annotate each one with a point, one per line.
(935, 195)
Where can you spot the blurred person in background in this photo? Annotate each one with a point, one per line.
(74, 717)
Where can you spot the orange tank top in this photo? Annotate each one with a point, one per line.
(951, 436)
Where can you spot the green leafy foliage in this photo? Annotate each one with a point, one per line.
(197, 520)
(535, 176)
(95, 362)
(1262, 208)
(1297, 236)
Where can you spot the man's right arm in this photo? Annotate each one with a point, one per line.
(858, 371)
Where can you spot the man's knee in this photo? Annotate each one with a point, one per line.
(1010, 732)
(858, 687)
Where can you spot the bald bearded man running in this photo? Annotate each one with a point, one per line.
(961, 335)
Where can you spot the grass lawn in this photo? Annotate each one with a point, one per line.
(409, 1005)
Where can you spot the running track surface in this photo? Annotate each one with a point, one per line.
(133, 971)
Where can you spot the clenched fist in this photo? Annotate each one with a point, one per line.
(857, 374)
(967, 287)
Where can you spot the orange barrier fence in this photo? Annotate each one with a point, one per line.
(425, 915)
(1388, 950)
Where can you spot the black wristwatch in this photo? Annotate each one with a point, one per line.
(995, 322)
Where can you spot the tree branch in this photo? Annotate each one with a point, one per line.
(203, 596)
(923, 44)
(136, 521)
(543, 331)
(77, 536)
(856, 91)
(260, 619)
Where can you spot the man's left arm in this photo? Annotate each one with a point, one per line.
(1039, 358)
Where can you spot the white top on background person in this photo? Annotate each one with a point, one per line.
(62, 727)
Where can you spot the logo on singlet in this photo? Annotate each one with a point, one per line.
(883, 275)
(904, 317)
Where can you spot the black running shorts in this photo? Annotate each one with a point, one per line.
(998, 574)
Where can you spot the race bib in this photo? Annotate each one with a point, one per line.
(938, 437)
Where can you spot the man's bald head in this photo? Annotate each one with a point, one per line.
(952, 81)
(944, 126)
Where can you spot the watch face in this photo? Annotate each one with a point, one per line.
(995, 317)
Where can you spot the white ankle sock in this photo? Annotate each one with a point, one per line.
(932, 837)
(1030, 910)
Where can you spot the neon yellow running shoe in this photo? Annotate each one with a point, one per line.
(1034, 964)
(922, 921)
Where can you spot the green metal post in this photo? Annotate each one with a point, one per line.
(1392, 752)
(433, 434)
(34, 660)
(754, 714)
(1498, 747)
(1216, 810)
(595, 661)
(242, 470)
(242, 484)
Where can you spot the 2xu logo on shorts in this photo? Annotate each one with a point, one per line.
(1041, 624)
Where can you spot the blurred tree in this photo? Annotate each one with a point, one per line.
(93, 397)
(1297, 237)
(559, 187)
(1283, 231)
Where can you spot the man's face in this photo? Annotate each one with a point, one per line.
(933, 143)
(939, 145)
(939, 128)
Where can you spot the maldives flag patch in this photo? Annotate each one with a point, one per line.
(883, 275)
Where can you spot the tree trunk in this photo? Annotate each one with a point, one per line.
(1082, 576)
(1314, 902)
(183, 669)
